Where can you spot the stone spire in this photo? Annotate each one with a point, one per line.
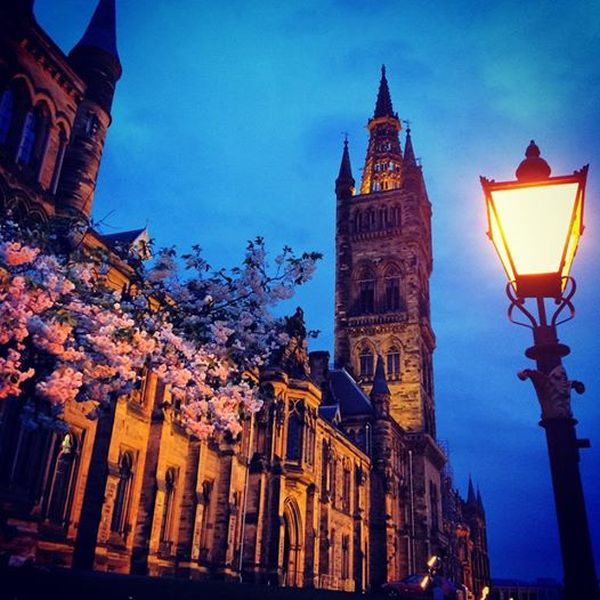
(380, 386)
(471, 498)
(345, 181)
(479, 500)
(383, 106)
(380, 392)
(383, 164)
(409, 153)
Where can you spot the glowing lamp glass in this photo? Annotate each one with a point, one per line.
(535, 228)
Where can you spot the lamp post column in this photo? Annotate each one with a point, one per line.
(554, 394)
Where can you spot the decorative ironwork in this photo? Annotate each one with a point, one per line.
(562, 302)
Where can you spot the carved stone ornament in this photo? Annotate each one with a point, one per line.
(553, 391)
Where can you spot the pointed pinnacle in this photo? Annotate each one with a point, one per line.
(471, 493)
(345, 174)
(380, 386)
(383, 106)
(409, 153)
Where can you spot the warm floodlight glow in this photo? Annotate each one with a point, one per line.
(535, 227)
(433, 561)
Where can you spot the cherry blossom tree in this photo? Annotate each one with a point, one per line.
(66, 333)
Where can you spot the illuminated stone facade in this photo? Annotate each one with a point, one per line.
(333, 484)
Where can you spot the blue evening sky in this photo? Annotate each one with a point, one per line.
(227, 124)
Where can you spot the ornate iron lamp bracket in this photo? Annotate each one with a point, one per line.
(563, 302)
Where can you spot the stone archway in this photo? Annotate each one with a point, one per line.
(292, 545)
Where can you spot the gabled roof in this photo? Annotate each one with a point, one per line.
(136, 241)
(330, 413)
(346, 393)
(123, 238)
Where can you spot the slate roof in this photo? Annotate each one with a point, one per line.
(123, 238)
(330, 413)
(101, 31)
(346, 393)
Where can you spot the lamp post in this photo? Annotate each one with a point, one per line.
(535, 223)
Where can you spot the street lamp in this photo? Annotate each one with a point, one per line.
(535, 224)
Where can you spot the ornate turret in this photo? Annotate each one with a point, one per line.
(95, 56)
(383, 164)
(96, 60)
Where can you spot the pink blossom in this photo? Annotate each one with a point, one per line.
(15, 253)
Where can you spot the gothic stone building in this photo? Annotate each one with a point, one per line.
(336, 483)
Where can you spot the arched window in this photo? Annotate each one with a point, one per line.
(295, 430)
(366, 292)
(123, 493)
(345, 557)
(166, 526)
(34, 137)
(60, 156)
(14, 108)
(7, 108)
(393, 363)
(366, 362)
(24, 451)
(205, 501)
(392, 289)
(25, 152)
(62, 480)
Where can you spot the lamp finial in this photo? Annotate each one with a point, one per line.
(534, 167)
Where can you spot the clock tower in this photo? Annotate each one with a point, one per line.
(382, 317)
(383, 264)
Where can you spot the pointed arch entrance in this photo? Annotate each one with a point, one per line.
(292, 545)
